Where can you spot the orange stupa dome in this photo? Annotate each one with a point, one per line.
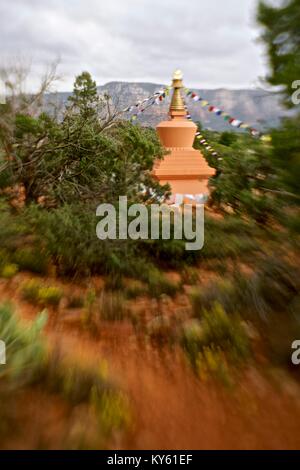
(184, 168)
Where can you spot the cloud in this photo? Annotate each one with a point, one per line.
(212, 42)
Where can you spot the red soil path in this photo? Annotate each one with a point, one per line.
(171, 408)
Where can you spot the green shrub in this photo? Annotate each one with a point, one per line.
(170, 252)
(13, 228)
(30, 290)
(69, 235)
(112, 408)
(135, 289)
(229, 237)
(25, 351)
(74, 381)
(35, 292)
(50, 295)
(106, 406)
(272, 288)
(8, 271)
(192, 335)
(225, 331)
(277, 282)
(30, 363)
(4, 257)
(91, 385)
(31, 259)
(216, 330)
(231, 224)
(222, 291)
(212, 361)
(158, 284)
(223, 245)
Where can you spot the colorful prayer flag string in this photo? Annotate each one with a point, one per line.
(200, 137)
(141, 106)
(218, 112)
(204, 142)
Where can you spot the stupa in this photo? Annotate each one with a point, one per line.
(184, 168)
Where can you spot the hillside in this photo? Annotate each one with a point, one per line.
(258, 107)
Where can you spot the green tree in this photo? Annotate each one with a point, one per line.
(88, 155)
(85, 96)
(286, 155)
(95, 156)
(281, 34)
(227, 138)
(244, 179)
(254, 177)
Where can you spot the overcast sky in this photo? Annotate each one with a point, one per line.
(214, 42)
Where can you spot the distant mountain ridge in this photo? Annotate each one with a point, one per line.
(259, 108)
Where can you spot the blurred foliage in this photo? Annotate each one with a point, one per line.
(25, 352)
(29, 362)
(8, 271)
(31, 259)
(38, 293)
(281, 35)
(214, 333)
(286, 158)
(244, 178)
(272, 287)
(89, 154)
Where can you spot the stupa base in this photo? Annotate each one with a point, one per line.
(186, 186)
(187, 173)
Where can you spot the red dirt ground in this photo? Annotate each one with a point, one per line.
(171, 407)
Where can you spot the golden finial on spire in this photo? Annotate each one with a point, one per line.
(177, 75)
(177, 105)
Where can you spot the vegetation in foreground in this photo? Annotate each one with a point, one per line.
(234, 300)
(32, 369)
